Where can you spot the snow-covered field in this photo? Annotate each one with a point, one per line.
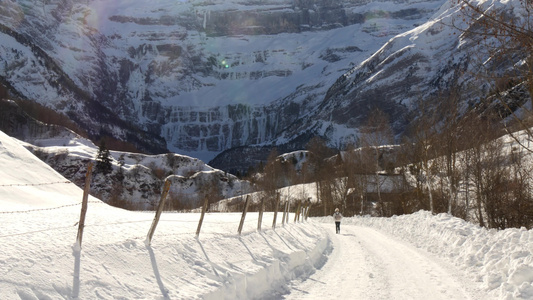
(417, 256)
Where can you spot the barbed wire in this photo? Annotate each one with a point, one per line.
(37, 209)
(34, 184)
(93, 226)
(48, 208)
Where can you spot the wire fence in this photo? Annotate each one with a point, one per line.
(46, 208)
(34, 184)
(85, 201)
(36, 209)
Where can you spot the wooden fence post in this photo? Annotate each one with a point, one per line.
(307, 210)
(160, 207)
(276, 206)
(244, 213)
(204, 209)
(284, 213)
(287, 209)
(85, 198)
(304, 210)
(297, 214)
(261, 209)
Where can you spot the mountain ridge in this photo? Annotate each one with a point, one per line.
(201, 78)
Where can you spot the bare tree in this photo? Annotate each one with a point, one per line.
(423, 133)
(494, 180)
(272, 177)
(520, 207)
(209, 188)
(448, 141)
(321, 170)
(465, 161)
(377, 132)
(503, 33)
(478, 144)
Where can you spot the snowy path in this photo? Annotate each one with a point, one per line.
(366, 264)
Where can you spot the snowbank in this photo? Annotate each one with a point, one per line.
(501, 261)
(38, 260)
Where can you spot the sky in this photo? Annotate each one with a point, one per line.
(418, 256)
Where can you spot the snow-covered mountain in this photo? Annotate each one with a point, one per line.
(205, 76)
(424, 62)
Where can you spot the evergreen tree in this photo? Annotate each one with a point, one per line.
(103, 160)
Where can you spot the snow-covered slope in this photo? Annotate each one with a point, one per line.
(39, 210)
(22, 173)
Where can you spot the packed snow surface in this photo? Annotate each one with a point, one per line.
(417, 256)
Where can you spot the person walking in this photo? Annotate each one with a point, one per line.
(337, 216)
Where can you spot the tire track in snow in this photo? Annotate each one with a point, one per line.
(367, 264)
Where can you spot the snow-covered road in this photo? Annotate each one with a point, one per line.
(367, 264)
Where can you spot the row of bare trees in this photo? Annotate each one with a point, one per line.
(468, 167)
(461, 165)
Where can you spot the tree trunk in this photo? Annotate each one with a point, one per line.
(430, 197)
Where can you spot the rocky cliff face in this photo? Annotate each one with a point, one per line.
(205, 76)
(135, 180)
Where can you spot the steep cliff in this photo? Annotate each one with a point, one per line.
(205, 76)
